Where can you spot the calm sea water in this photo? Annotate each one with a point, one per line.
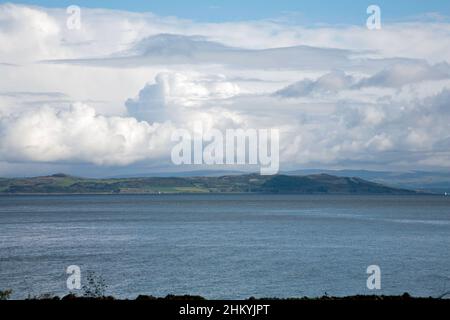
(226, 246)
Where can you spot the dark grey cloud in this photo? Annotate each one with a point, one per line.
(32, 94)
(394, 76)
(328, 83)
(170, 49)
(6, 64)
(401, 74)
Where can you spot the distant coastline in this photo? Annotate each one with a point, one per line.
(62, 184)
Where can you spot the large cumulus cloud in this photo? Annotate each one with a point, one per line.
(171, 93)
(79, 134)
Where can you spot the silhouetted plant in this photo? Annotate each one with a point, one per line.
(95, 286)
(44, 296)
(5, 294)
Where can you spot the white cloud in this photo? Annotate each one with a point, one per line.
(79, 135)
(173, 95)
(140, 76)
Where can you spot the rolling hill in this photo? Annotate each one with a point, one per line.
(308, 184)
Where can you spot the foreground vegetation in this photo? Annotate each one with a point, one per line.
(170, 297)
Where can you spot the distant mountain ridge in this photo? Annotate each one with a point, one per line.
(245, 183)
(425, 181)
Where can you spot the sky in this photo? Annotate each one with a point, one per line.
(329, 11)
(102, 95)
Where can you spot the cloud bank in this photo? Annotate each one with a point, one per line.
(111, 93)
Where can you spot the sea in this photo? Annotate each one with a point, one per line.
(226, 246)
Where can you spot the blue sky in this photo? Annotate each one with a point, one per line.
(329, 11)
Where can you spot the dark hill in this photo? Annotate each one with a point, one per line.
(309, 184)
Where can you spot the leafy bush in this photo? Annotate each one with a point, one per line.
(5, 294)
(95, 286)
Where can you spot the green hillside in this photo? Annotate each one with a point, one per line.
(309, 184)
